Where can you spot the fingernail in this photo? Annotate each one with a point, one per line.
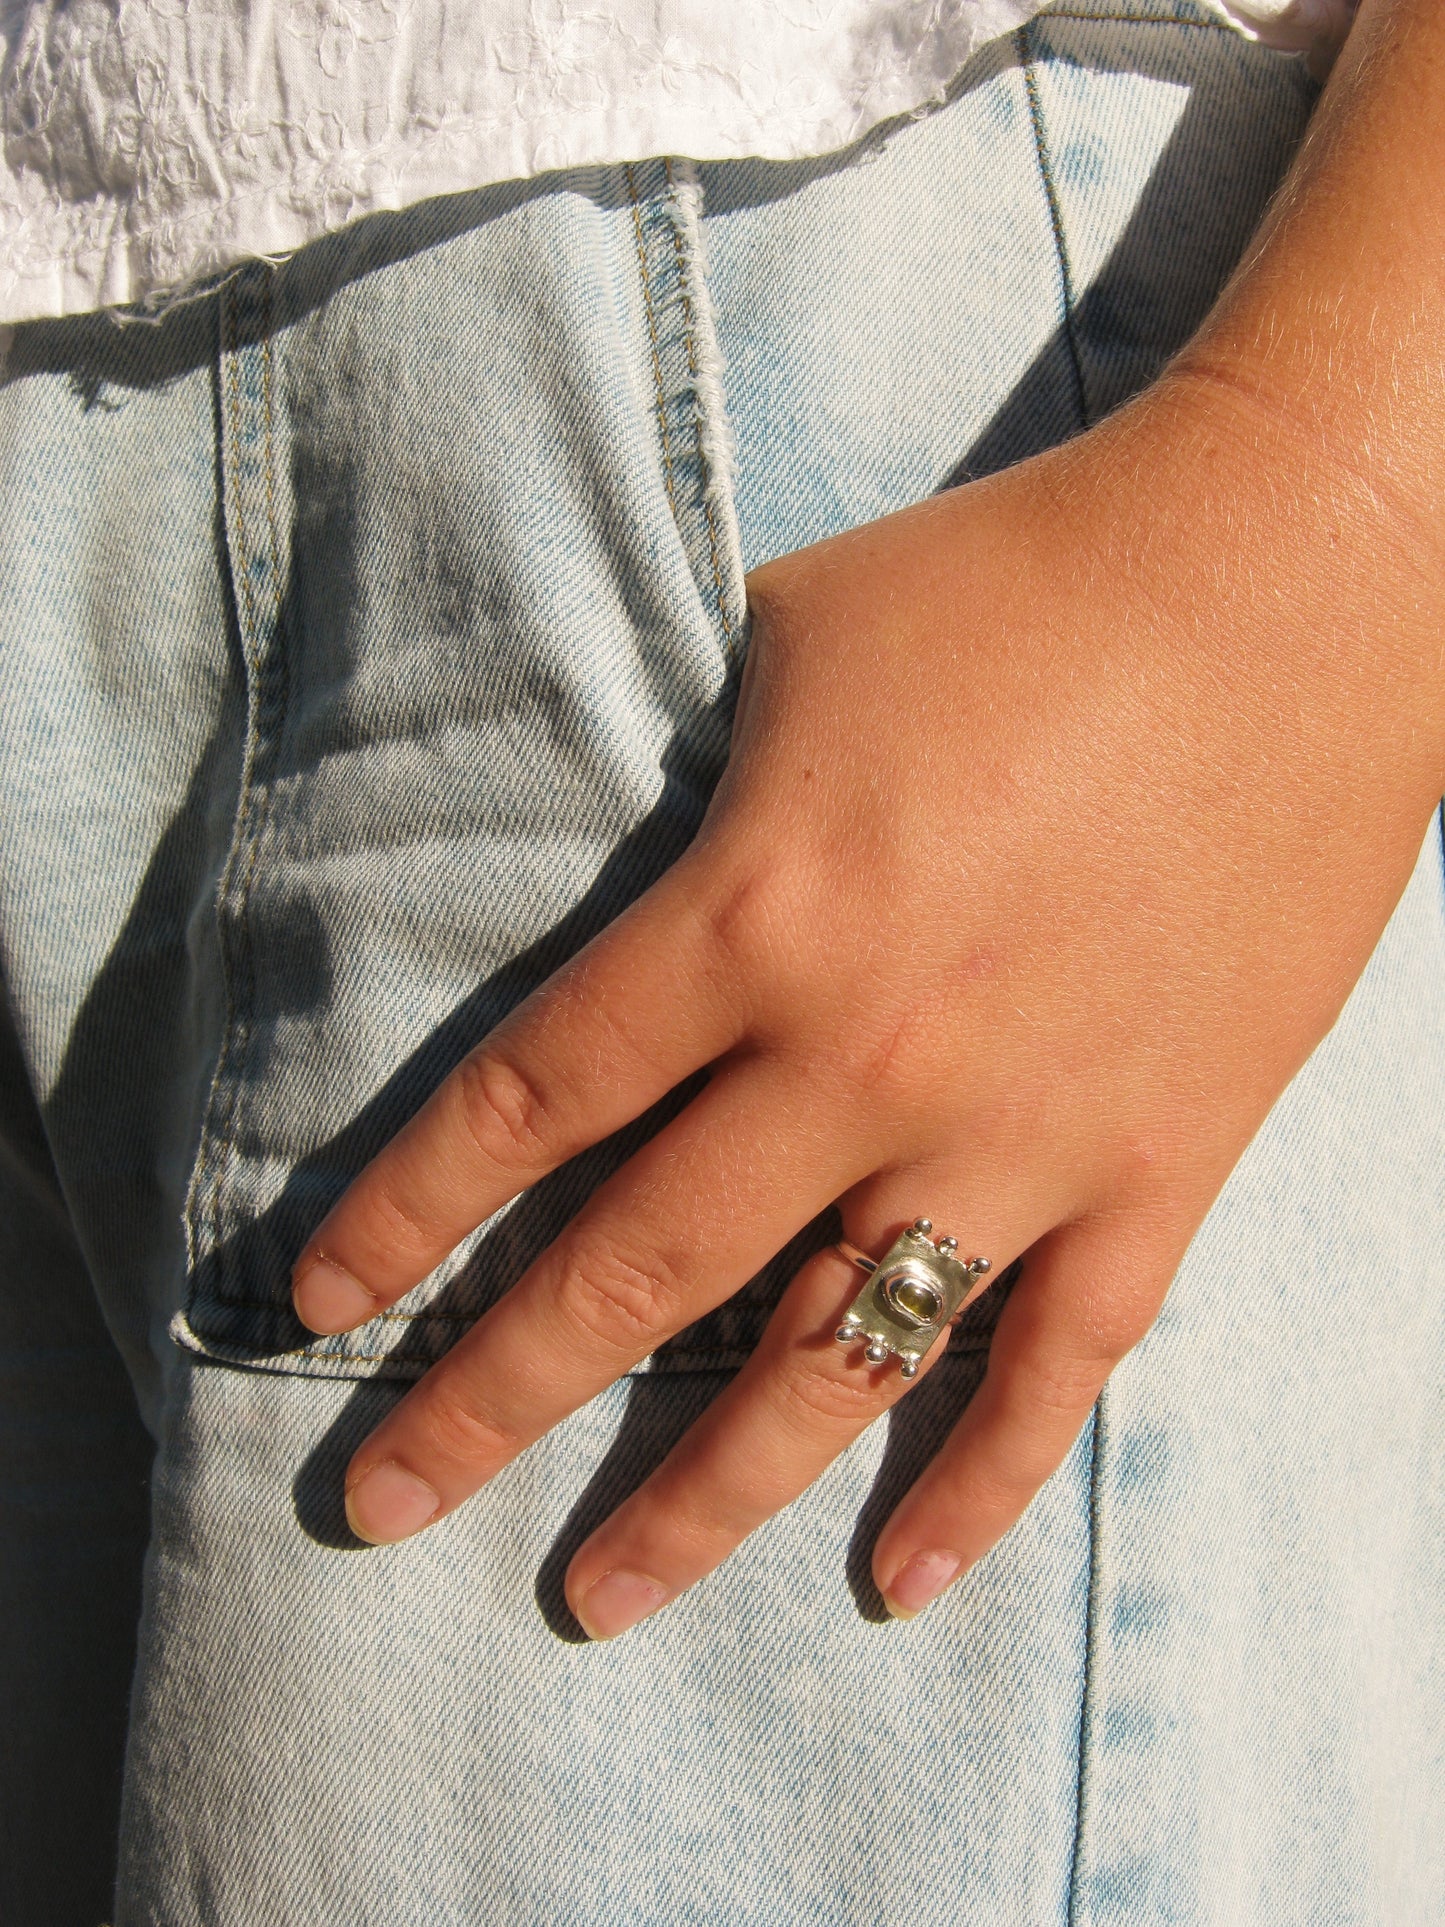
(389, 1503)
(919, 1581)
(328, 1299)
(616, 1601)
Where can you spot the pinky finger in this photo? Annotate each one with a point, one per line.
(1083, 1301)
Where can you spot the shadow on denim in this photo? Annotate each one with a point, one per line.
(128, 348)
(74, 1467)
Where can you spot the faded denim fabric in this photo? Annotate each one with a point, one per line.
(369, 632)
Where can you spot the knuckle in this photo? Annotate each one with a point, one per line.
(1001, 1491)
(756, 927)
(827, 1394)
(1115, 1330)
(1111, 1344)
(396, 1222)
(452, 1431)
(506, 1114)
(622, 1301)
(1064, 1387)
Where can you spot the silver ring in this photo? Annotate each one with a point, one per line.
(855, 1256)
(912, 1293)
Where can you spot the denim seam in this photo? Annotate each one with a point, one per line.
(651, 309)
(268, 391)
(426, 1315)
(659, 1364)
(976, 1343)
(738, 1329)
(705, 467)
(217, 1133)
(687, 391)
(270, 698)
(265, 657)
(1056, 215)
(1046, 20)
(733, 1348)
(1087, 1689)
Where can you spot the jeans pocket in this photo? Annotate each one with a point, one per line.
(487, 590)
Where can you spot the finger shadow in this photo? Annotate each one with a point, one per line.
(917, 1426)
(691, 1369)
(318, 1490)
(661, 1406)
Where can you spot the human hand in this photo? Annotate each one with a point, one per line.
(1063, 812)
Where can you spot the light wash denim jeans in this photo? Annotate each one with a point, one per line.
(368, 634)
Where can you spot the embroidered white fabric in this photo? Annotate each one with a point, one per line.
(151, 142)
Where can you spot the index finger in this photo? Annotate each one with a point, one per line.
(644, 1005)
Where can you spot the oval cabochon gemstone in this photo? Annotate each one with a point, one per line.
(914, 1297)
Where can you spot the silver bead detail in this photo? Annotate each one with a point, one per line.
(948, 1246)
(877, 1351)
(923, 1226)
(908, 1364)
(847, 1331)
(980, 1265)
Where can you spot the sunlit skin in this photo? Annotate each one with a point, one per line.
(1063, 813)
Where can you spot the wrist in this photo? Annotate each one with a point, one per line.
(1304, 566)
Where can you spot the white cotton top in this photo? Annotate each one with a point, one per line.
(151, 142)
